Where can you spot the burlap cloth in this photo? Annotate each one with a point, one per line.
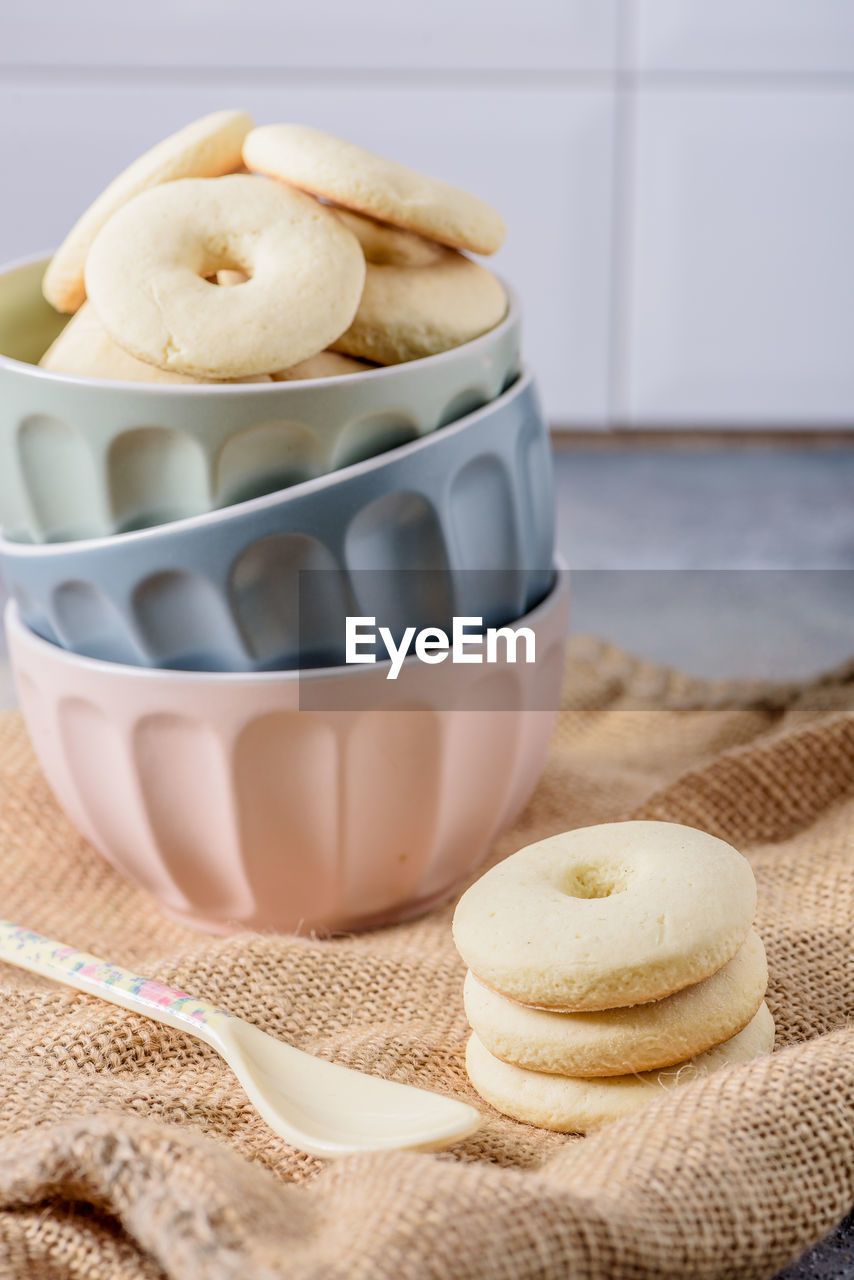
(128, 1150)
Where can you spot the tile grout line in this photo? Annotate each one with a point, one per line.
(24, 75)
(524, 78)
(622, 208)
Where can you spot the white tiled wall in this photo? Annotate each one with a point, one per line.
(750, 36)
(676, 174)
(388, 35)
(740, 297)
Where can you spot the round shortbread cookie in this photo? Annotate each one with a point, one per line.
(326, 364)
(385, 245)
(642, 1037)
(420, 298)
(204, 149)
(147, 276)
(607, 916)
(574, 1105)
(85, 349)
(348, 175)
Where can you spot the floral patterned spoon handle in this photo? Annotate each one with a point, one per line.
(315, 1105)
(53, 959)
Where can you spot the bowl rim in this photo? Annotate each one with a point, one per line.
(219, 516)
(512, 319)
(55, 653)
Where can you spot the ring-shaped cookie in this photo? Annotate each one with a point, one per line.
(612, 1042)
(569, 1104)
(607, 916)
(348, 175)
(85, 349)
(419, 299)
(148, 272)
(204, 149)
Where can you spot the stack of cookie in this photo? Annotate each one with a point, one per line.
(334, 260)
(606, 965)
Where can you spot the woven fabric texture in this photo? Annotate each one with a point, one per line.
(129, 1152)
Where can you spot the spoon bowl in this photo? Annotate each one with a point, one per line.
(332, 1110)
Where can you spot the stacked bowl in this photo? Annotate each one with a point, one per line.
(182, 562)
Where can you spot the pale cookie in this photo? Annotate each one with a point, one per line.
(204, 149)
(576, 1105)
(146, 276)
(420, 298)
(85, 349)
(607, 916)
(615, 1041)
(357, 179)
(326, 364)
(385, 245)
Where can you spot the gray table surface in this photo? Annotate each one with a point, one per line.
(728, 562)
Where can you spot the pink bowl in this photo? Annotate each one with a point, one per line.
(292, 801)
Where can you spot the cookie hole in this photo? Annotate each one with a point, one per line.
(228, 277)
(594, 882)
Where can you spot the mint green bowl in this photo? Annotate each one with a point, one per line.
(86, 457)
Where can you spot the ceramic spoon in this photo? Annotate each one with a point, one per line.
(313, 1104)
